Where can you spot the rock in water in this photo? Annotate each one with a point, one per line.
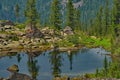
(13, 68)
(19, 76)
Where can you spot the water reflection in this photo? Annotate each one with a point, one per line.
(56, 62)
(19, 58)
(33, 67)
(46, 65)
(70, 57)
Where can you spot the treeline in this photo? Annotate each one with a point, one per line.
(55, 19)
(106, 24)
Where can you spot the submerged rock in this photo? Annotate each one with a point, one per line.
(19, 76)
(13, 68)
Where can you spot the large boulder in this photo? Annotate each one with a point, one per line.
(19, 76)
(68, 31)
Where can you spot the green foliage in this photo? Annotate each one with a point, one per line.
(74, 39)
(111, 70)
(17, 9)
(55, 15)
(105, 65)
(97, 72)
(31, 12)
(20, 26)
(116, 13)
(77, 23)
(64, 43)
(13, 37)
(70, 14)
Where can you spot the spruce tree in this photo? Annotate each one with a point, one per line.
(116, 13)
(31, 13)
(70, 14)
(55, 15)
(116, 22)
(17, 9)
(99, 22)
(105, 65)
(77, 23)
(106, 17)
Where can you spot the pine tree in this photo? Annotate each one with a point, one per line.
(70, 14)
(31, 13)
(17, 9)
(99, 22)
(106, 17)
(97, 72)
(116, 22)
(105, 65)
(77, 23)
(55, 16)
(116, 13)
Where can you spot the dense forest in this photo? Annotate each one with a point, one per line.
(89, 23)
(88, 9)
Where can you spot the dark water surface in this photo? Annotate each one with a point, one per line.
(54, 63)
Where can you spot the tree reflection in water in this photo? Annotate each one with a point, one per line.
(56, 62)
(19, 58)
(32, 66)
(70, 57)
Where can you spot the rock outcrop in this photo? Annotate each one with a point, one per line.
(6, 25)
(67, 31)
(33, 32)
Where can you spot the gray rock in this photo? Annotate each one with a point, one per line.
(19, 76)
(68, 31)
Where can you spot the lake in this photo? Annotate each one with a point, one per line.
(49, 64)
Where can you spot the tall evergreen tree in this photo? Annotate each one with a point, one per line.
(77, 23)
(106, 17)
(31, 13)
(99, 24)
(116, 22)
(17, 9)
(116, 13)
(55, 16)
(70, 14)
(106, 65)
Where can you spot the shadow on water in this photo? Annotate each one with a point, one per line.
(49, 64)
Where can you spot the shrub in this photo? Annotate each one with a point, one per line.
(21, 26)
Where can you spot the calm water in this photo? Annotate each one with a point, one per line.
(53, 63)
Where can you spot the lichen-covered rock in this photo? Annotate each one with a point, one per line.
(13, 68)
(68, 31)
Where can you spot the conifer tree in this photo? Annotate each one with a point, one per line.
(99, 22)
(31, 13)
(116, 22)
(17, 9)
(70, 14)
(116, 11)
(55, 16)
(77, 23)
(105, 65)
(106, 17)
